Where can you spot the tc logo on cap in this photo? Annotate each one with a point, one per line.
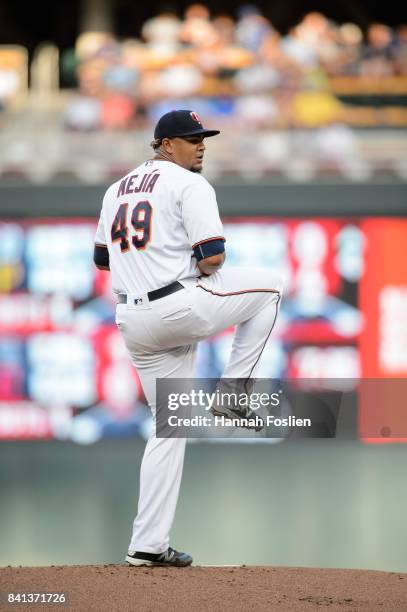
(196, 117)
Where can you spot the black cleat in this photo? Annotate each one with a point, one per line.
(169, 558)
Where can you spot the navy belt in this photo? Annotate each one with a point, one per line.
(156, 294)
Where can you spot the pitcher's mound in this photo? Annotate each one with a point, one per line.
(109, 588)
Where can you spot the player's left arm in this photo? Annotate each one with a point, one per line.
(101, 252)
(101, 256)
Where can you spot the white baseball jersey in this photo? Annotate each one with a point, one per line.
(151, 220)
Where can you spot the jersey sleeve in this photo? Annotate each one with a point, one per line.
(100, 237)
(200, 213)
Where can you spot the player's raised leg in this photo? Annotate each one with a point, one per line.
(249, 299)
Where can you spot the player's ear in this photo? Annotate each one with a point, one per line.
(167, 145)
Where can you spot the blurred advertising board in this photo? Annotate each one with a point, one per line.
(64, 370)
(383, 340)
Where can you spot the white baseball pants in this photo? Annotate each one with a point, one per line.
(161, 338)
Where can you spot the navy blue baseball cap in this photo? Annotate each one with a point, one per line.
(179, 123)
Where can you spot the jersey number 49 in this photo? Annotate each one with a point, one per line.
(141, 222)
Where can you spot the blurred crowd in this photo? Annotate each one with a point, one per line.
(234, 69)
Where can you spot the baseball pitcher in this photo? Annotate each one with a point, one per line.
(161, 237)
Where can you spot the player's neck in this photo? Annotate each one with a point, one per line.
(163, 157)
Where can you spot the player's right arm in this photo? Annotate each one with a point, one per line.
(201, 220)
(209, 265)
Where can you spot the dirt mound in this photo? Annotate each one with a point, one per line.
(284, 589)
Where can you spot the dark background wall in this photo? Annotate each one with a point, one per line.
(318, 503)
(262, 198)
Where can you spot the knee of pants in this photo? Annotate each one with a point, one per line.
(272, 280)
(279, 282)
